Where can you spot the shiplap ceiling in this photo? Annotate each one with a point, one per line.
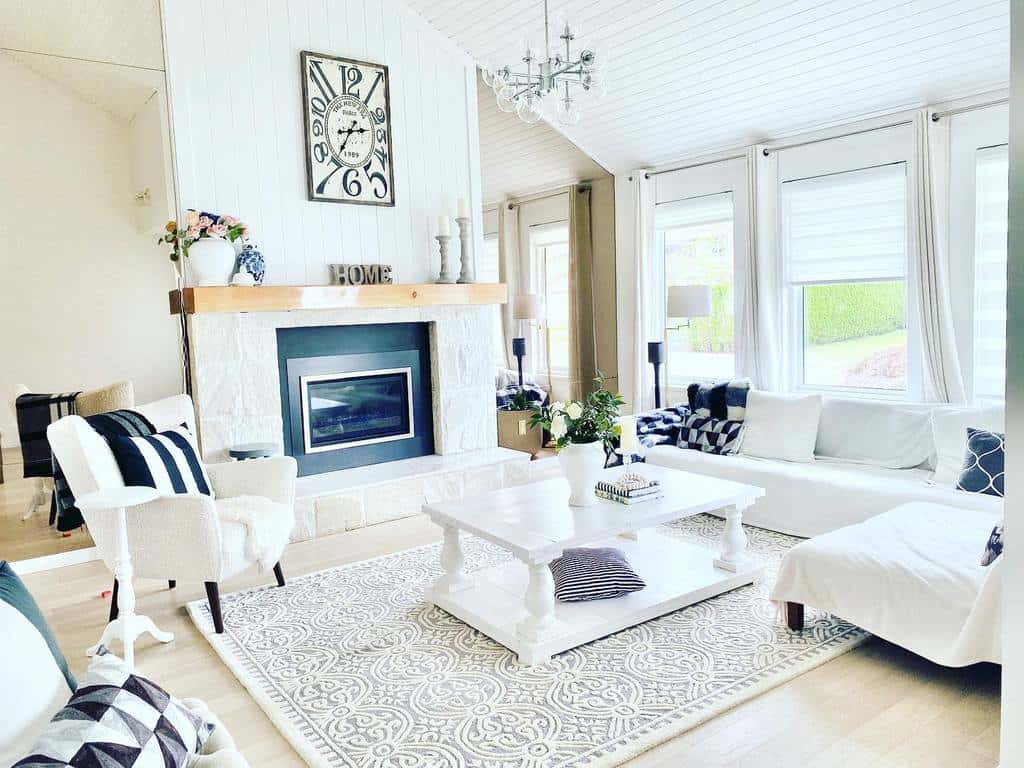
(516, 159)
(696, 75)
(114, 31)
(109, 53)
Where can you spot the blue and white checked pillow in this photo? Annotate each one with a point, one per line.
(984, 463)
(593, 573)
(167, 461)
(701, 433)
(725, 400)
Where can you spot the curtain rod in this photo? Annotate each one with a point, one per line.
(779, 147)
(543, 195)
(688, 166)
(960, 110)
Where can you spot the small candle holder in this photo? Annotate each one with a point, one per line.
(442, 243)
(468, 274)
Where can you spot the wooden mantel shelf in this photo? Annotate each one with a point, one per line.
(282, 298)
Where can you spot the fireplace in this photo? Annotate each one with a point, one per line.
(355, 395)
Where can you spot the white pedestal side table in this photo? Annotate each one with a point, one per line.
(127, 626)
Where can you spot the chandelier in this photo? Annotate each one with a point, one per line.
(556, 77)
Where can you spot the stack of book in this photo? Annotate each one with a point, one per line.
(630, 492)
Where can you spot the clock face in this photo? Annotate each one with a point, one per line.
(348, 130)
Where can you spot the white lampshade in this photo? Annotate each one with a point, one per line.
(528, 306)
(689, 301)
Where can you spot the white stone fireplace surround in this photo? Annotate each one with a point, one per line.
(237, 393)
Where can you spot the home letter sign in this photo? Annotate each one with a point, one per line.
(361, 274)
(348, 130)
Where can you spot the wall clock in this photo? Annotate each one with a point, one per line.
(347, 114)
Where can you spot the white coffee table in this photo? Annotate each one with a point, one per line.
(514, 603)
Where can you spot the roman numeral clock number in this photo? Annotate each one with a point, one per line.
(347, 117)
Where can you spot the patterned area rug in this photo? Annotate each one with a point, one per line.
(355, 668)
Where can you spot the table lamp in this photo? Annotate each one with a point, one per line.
(688, 301)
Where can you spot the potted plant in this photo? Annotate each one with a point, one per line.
(582, 430)
(515, 429)
(206, 240)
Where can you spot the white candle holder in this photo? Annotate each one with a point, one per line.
(442, 243)
(468, 274)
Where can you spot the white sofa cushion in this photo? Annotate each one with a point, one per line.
(811, 499)
(949, 431)
(911, 576)
(778, 426)
(896, 435)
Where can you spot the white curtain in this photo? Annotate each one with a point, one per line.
(759, 325)
(642, 374)
(940, 369)
(508, 273)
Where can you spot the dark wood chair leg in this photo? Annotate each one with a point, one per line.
(113, 602)
(171, 583)
(213, 596)
(279, 575)
(795, 616)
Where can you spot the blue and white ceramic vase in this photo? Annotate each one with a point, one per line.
(250, 261)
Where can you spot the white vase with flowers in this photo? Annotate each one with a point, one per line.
(205, 240)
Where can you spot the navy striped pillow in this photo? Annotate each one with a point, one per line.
(167, 461)
(596, 573)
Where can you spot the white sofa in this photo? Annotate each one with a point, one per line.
(848, 482)
(912, 575)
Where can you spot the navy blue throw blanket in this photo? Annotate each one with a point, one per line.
(123, 423)
(35, 412)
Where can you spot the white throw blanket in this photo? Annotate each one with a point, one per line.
(265, 524)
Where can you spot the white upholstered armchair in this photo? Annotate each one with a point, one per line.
(195, 537)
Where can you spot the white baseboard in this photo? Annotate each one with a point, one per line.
(58, 560)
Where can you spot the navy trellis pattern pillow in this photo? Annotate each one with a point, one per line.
(984, 463)
(994, 546)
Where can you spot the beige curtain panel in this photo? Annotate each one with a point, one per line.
(582, 345)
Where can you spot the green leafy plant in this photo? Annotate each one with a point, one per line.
(518, 402)
(581, 421)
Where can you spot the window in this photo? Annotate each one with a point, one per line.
(695, 239)
(487, 271)
(549, 249)
(844, 241)
(990, 230)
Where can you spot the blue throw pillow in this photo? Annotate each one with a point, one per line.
(167, 461)
(719, 436)
(726, 400)
(14, 593)
(984, 462)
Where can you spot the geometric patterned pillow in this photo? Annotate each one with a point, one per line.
(719, 436)
(994, 546)
(119, 720)
(984, 463)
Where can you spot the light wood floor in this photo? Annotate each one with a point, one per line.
(876, 706)
(25, 539)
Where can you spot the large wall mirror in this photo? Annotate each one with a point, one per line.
(86, 186)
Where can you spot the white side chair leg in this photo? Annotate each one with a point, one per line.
(38, 497)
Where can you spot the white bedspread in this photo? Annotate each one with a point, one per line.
(911, 576)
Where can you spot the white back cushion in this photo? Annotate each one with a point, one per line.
(894, 435)
(33, 688)
(949, 430)
(780, 426)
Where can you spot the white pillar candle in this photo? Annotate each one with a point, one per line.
(444, 226)
(627, 440)
(463, 208)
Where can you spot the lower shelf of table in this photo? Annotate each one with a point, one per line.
(677, 574)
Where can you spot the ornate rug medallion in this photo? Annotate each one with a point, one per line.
(355, 668)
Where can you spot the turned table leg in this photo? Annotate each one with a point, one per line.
(454, 578)
(540, 607)
(733, 556)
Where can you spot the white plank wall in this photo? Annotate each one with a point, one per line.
(235, 90)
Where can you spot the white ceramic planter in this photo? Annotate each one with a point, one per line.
(582, 465)
(211, 261)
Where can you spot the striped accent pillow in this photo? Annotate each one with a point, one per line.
(167, 461)
(593, 573)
